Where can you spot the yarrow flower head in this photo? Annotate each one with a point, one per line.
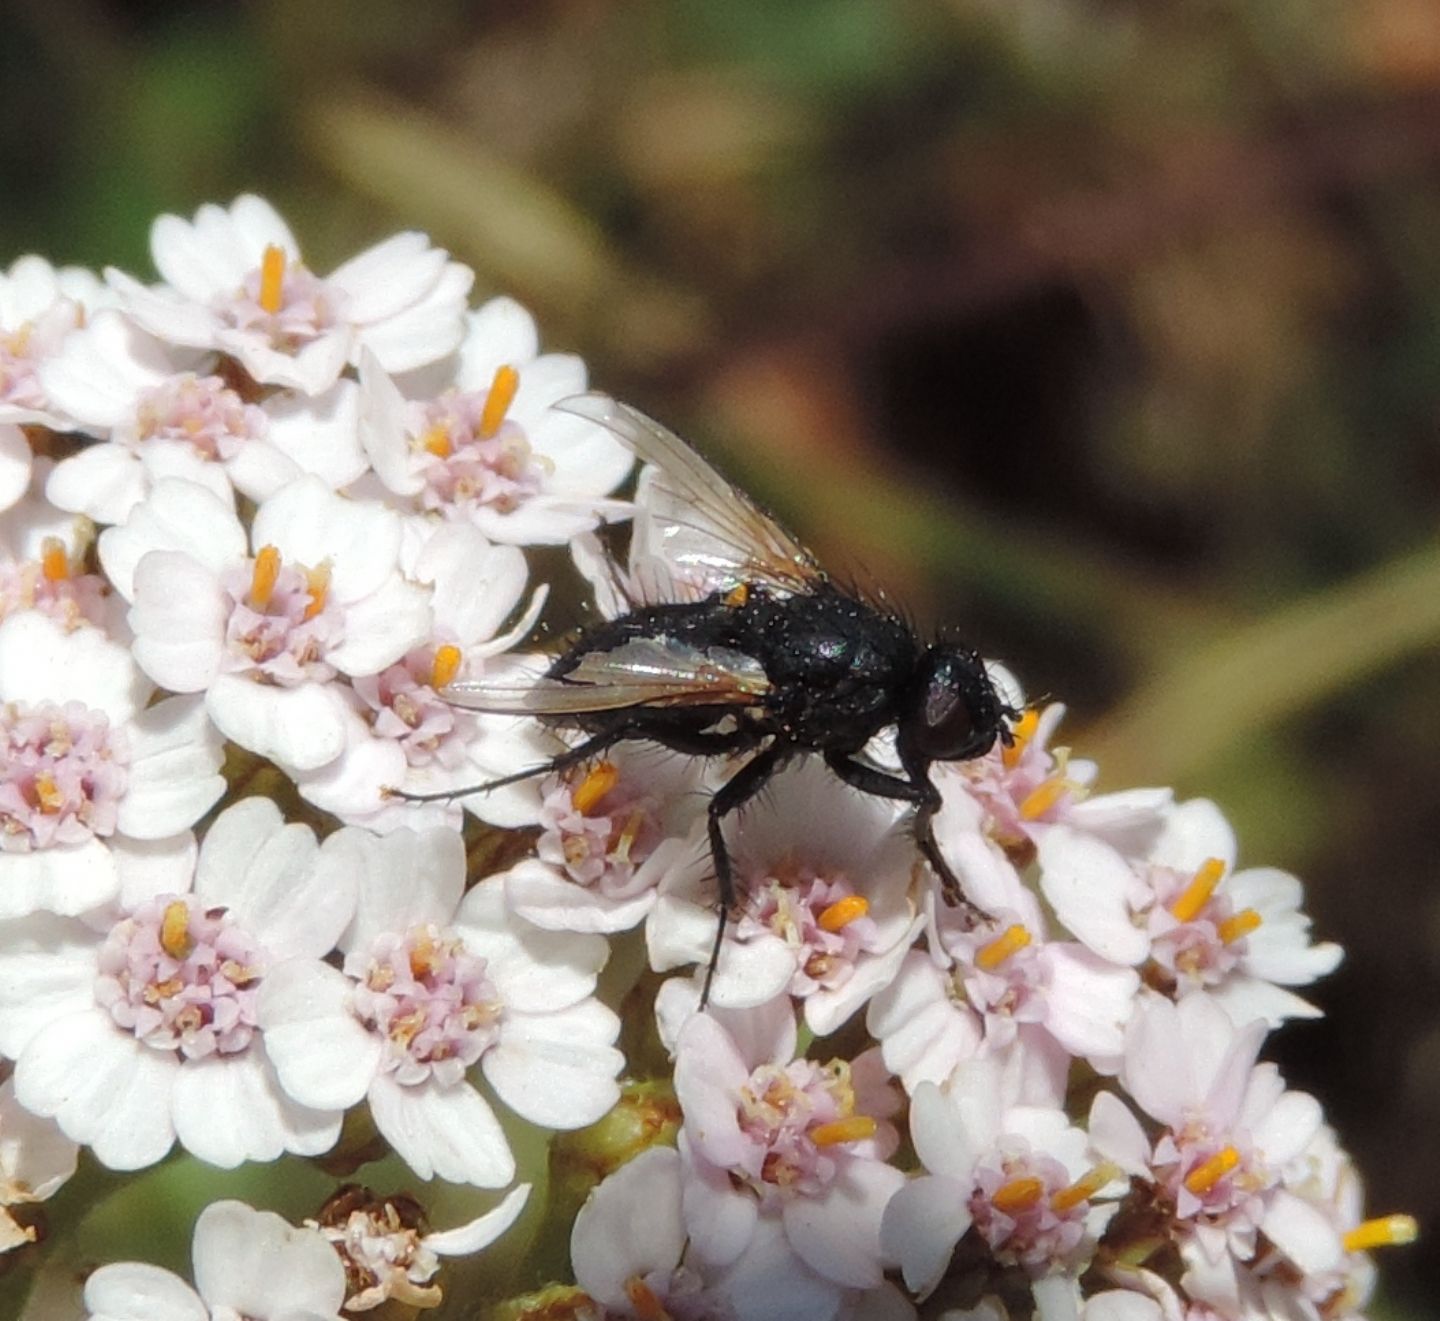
(293, 878)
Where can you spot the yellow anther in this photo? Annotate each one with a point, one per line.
(643, 1299)
(175, 930)
(317, 587)
(601, 779)
(445, 666)
(272, 278)
(1010, 941)
(1018, 1195)
(1084, 1188)
(262, 579)
(1043, 797)
(1240, 925)
(625, 840)
(737, 595)
(842, 912)
(1382, 1232)
(424, 957)
(437, 441)
(1208, 1173)
(54, 562)
(1197, 894)
(1021, 733)
(856, 1128)
(498, 401)
(48, 797)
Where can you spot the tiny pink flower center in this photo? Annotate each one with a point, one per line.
(795, 1118)
(1027, 1208)
(405, 706)
(52, 586)
(24, 347)
(1001, 970)
(433, 1003)
(181, 977)
(471, 455)
(1022, 784)
(64, 773)
(820, 917)
(599, 829)
(385, 1258)
(201, 412)
(1197, 935)
(282, 622)
(281, 300)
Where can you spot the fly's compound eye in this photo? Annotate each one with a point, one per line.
(955, 714)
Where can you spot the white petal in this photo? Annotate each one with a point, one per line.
(499, 333)
(557, 1070)
(382, 429)
(404, 879)
(47, 973)
(34, 1154)
(387, 278)
(425, 331)
(231, 1109)
(1117, 1134)
(324, 1057)
(483, 1230)
(303, 727)
(1087, 883)
(41, 662)
(178, 516)
(16, 458)
(152, 867)
(176, 754)
(104, 482)
(104, 1088)
(382, 627)
(447, 1133)
(68, 879)
(920, 1228)
(137, 1291)
(178, 619)
(838, 1234)
(320, 435)
(311, 369)
(252, 1263)
(1194, 832)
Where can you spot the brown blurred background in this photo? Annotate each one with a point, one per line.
(1105, 332)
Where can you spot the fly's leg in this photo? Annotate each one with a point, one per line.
(581, 752)
(916, 789)
(734, 793)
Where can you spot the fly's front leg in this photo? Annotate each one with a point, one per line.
(914, 787)
(733, 794)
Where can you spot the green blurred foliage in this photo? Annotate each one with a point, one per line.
(1107, 332)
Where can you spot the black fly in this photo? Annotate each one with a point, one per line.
(768, 656)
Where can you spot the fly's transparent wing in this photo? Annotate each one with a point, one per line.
(645, 672)
(696, 521)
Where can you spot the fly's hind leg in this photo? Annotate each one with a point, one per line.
(733, 794)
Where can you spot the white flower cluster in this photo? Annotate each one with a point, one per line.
(251, 515)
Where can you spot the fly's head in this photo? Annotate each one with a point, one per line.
(951, 710)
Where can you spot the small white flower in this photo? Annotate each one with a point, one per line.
(477, 440)
(35, 1159)
(1022, 1175)
(91, 779)
(235, 282)
(246, 1263)
(388, 1258)
(767, 1135)
(266, 636)
(138, 1027)
(436, 980)
(166, 413)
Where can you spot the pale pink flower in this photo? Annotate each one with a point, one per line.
(235, 282)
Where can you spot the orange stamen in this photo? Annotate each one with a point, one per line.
(272, 278)
(1208, 1173)
(47, 793)
(317, 587)
(498, 401)
(1017, 1195)
(1197, 894)
(1084, 1188)
(175, 930)
(842, 912)
(437, 441)
(445, 666)
(595, 786)
(1021, 734)
(642, 1298)
(1239, 926)
(1382, 1232)
(1043, 797)
(54, 562)
(262, 580)
(1010, 941)
(854, 1129)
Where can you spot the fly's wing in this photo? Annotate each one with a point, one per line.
(646, 672)
(696, 522)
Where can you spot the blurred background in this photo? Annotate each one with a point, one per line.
(1105, 333)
